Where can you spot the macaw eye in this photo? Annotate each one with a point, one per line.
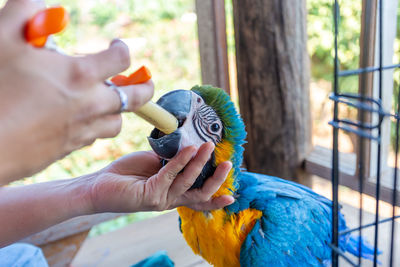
(215, 127)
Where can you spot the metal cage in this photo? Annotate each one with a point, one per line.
(367, 132)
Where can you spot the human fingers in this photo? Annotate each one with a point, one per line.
(138, 94)
(213, 183)
(105, 100)
(98, 67)
(214, 203)
(86, 132)
(202, 197)
(187, 178)
(15, 15)
(143, 163)
(168, 173)
(106, 126)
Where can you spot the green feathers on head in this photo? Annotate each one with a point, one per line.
(234, 129)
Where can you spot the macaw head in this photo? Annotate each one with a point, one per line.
(205, 113)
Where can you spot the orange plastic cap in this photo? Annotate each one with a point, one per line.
(142, 75)
(45, 23)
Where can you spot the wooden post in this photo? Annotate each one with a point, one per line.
(367, 58)
(273, 83)
(212, 42)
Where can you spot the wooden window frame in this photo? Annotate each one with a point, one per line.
(319, 161)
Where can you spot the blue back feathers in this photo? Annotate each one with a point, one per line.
(295, 228)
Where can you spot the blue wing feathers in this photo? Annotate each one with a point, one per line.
(295, 228)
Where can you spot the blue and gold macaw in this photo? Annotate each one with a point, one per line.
(273, 222)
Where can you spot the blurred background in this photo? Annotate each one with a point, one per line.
(164, 38)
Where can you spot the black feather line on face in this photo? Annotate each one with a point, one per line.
(202, 119)
(197, 128)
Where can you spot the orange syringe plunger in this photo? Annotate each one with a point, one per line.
(45, 23)
(151, 112)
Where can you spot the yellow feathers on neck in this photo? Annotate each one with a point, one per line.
(223, 152)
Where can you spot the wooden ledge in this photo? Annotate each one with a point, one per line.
(137, 241)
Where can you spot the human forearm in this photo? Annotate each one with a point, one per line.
(136, 182)
(29, 209)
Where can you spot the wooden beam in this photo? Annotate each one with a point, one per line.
(319, 162)
(212, 41)
(61, 242)
(68, 228)
(60, 253)
(273, 84)
(137, 241)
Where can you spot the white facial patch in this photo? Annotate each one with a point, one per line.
(201, 125)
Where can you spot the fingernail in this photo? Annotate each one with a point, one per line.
(231, 200)
(212, 146)
(116, 41)
(230, 167)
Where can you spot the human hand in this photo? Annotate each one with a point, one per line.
(52, 104)
(138, 182)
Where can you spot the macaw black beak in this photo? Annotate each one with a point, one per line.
(178, 103)
(166, 146)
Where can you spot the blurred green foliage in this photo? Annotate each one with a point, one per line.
(320, 46)
(121, 222)
(321, 40)
(103, 13)
(230, 33)
(149, 11)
